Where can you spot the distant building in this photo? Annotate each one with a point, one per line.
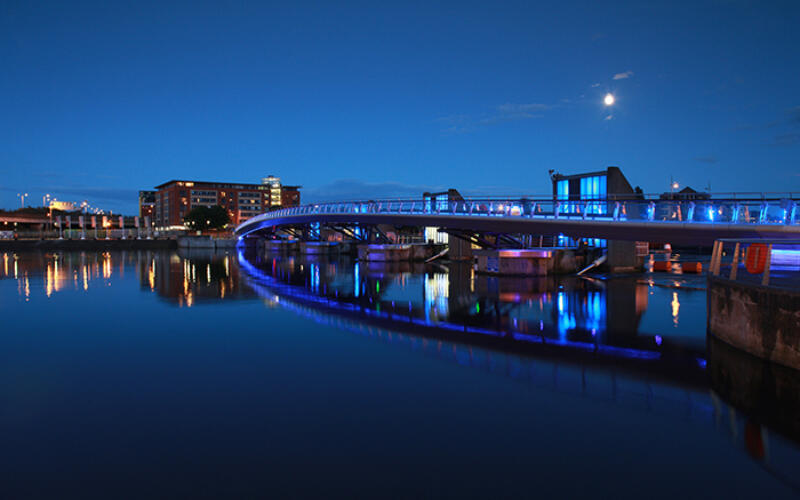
(590, 193)
(608, 184)
(64, 206)
(147, 204)
(274, 190)
(176, 198)
(436, 202)
(290, 196)
(685, 194)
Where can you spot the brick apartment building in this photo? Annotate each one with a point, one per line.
(176, 198)
(147, 204)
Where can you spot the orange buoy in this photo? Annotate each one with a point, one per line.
(692, 267)
(756, 258)
(662, 265)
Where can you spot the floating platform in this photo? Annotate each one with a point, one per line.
(281, 246)
(528, 262)
(393, 253)
(319, 247)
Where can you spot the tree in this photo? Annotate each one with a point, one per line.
(203, 218)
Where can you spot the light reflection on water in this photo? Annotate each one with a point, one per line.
(621, 314)
(184, 278)
(632, 341)
(573, 313)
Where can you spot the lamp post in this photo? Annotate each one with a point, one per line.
(22, 197)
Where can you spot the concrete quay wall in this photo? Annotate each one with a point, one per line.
(206, 242)
(91, 245)
(762, 321)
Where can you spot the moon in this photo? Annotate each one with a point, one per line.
(608, 100)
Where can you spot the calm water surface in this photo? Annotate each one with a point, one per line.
(145, 374)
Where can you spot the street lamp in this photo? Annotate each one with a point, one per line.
(22, 197)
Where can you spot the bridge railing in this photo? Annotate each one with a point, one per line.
(727, 211)
(757, 261)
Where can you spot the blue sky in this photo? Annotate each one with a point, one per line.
(366, 99)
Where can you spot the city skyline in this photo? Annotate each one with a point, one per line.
(101, 101)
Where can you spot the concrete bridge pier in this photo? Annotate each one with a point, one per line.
(459, 249)
(623, 256)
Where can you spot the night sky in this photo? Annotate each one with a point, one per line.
(368, 99)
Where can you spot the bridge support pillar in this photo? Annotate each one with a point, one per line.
(459, 249)
(622, 256)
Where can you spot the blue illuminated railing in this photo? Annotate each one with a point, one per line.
(763, 211)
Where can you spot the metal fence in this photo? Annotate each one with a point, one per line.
(757, 261)
(778, 211)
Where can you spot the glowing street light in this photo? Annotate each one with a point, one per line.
(22, 197)
(609, 99)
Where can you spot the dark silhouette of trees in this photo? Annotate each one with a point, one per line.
(204, 218)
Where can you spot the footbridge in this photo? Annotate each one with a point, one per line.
(693, 222)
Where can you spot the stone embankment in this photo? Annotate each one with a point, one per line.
(763, 321)
(89, 245)
(205, 242)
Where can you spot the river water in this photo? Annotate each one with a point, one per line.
(167, 374)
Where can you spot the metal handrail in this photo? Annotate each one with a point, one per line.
(712, 196)
(713, 211)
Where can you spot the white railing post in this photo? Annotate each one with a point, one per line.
(716, 256)
(765, 278)
(735, 265)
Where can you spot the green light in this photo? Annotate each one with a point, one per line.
(377, 287)
(477, 308)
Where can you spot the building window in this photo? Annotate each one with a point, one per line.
(594, 188)
(562, 191)
(562, 188)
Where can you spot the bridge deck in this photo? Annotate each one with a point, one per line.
(668, 220)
